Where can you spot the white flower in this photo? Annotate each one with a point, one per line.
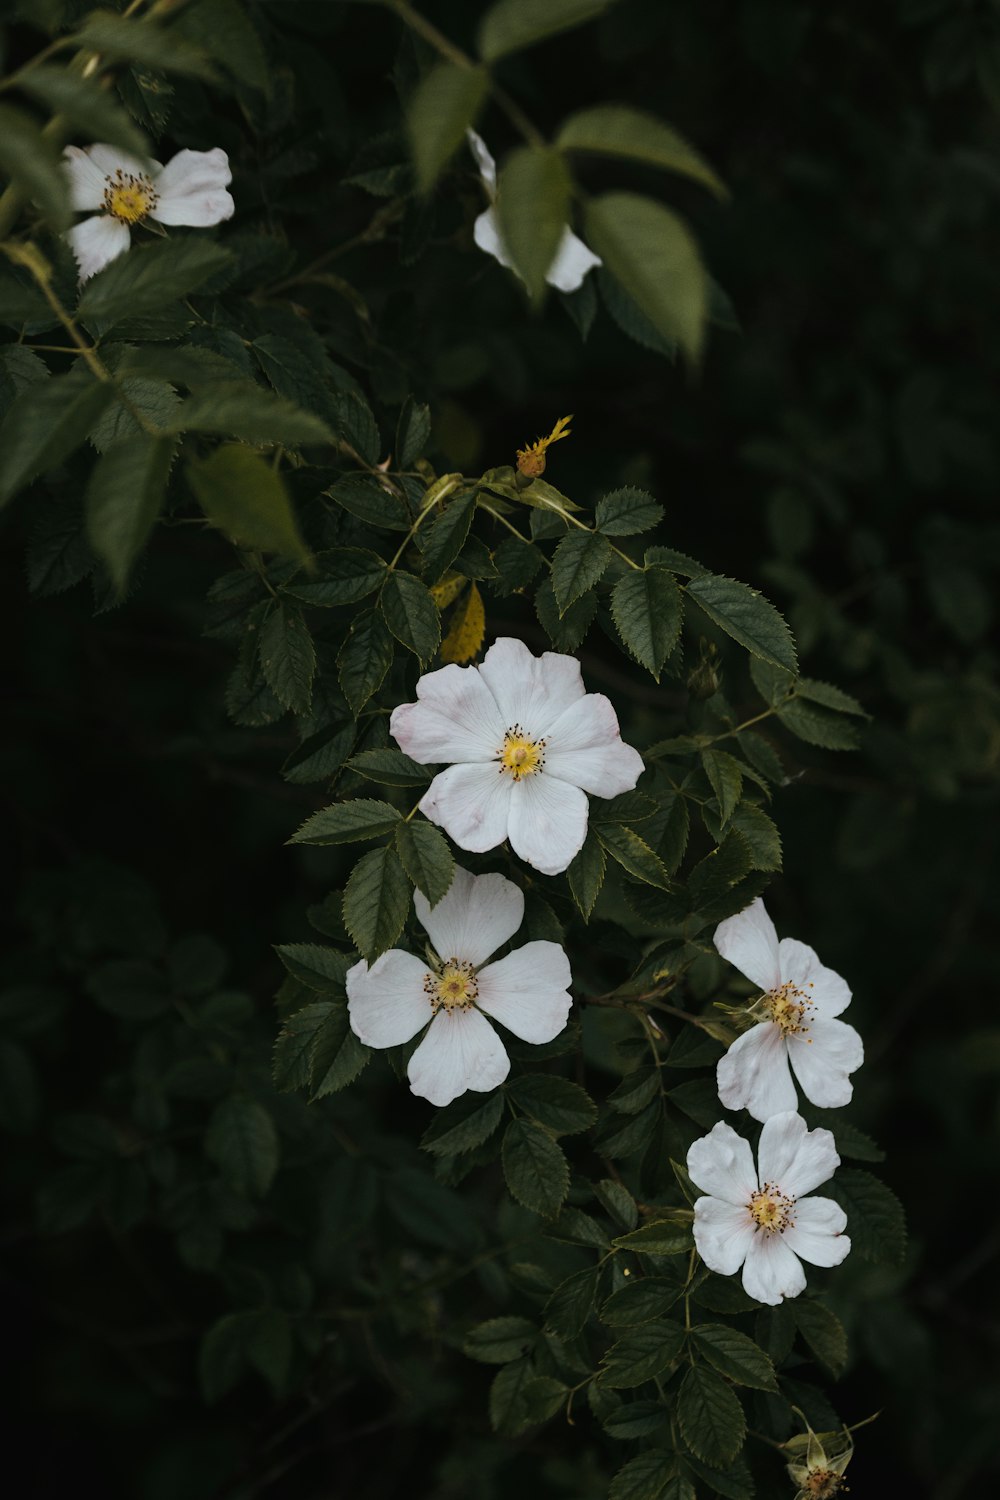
(527, 991)
(190, 189)
(761, 1220)
(525, 743)
(796, 1009)
(572, 259)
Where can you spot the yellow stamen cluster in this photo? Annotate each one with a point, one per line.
(519, 754)
(531, 460)
(789, 1009)
(453, 988)
(129, 198)
(771, 1210)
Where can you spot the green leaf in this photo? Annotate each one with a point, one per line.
(444, 105)
(242, 1142)
(447, 535)
(627, 511)
(633, 854)
(532, 206)
(412, 432)
(343, 576)
(644, 1477)
(124, 497)
(711, 1417)
(829, 696)
(747, 616)
(617, 130)
(663, 1237)
(818, 727)
(246, 498)
(347, 822)
(222, 1354)
(499, 1340)
(640, 1302)
(510, 25)
(364, 659)
(580, 561)
(427, 858)
(875, 1219)
(824, 1333)
(93, 110)
(320, 755)
(241, 410)
(390, 767)
(635, 1091)
(371, 502)
(32, 162)
(222, 30)
(725, 775)
(562, 1107)
(647, 609)
(149, 277)
(636, 1419)
(144, 42)
(567, 631)
(645, 1351)
(520, 1399)
(337, 1056)
(464, 1124)
(291, 1066)
(586, 874)
(651, 252)
(734, 1355)
(376, 901)
(44, 425)
(288, 657)
(570, 1305)
(535, 1169)
(411, 615)
(314, 965)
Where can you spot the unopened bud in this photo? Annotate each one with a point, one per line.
(705, 678)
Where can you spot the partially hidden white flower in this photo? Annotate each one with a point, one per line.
(797, 1008)
(526, 744)
(528, 991)
(572, 258)
(761, 1219)
(190, 189)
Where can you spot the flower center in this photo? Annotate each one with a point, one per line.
(789, 1009)
(129, 199)
(771, 1210)
(454, 988)
(519, 754)
(824, 1483)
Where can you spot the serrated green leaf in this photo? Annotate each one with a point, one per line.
(570, 1305)
(817, 726)
(141, 41)
(520, 1399)
(635, 1090)
(337, 1056)
(499, 1340)
(466, 1123)
(427, 858)
(221, 29)
(651, 252)
(342, 576)
(412, 432)
(82, 101)
(760, 835)
(829, 696)
(347, 822)
(710, 1416)
(242, 410)
(447, 535)
(875, 1219)
(734, 1355)
(642, 1301)
(364, 659)
(444, 105)
(627, 511)
(644, 1352)
(532, 206)
(320, 755)
(725, 775)
(646, 1476)
(44, 425)
(564, 1108)
(292, 1061)
(411, 614)
(647, 609)
(617, 130)
(580, 561)
(662, 1237)
(566, 632)
(510, 25)
(124, 497)
(149, 277)
(586, 874)
(31, 161)
(288, 657)
(636, 1419)
(535, 1169)
(633, 854)
(747, 616)
(246, 498)
(390, 768)
(376, 902)
(371, 502)
(241, 1140)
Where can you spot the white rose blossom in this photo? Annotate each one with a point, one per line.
(526, 744)
(528, 991)
(572, 258)
(796, 1023)
(190, 190)
(761, 1219)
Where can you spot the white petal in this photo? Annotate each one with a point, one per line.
(532, 691)
(721, 1163)
(528, 991)
(750, 942)
(794, 1158)
(484, 160)
(573, 261)
(547, 822)
(455, 718)
(771, 1271)
(472, 804)
(584, 746)
(799, 963)
(96, 243)
(192, 189)
(460, 1051)
(110, 159)
(386, 1003)
(722, 1234)
(477, 916)
(818, 1232)
(486, 233)
(822, 1059)
(86, 180)
(754, 1074)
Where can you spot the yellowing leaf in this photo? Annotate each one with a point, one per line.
(468, 627)
(447, 590)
